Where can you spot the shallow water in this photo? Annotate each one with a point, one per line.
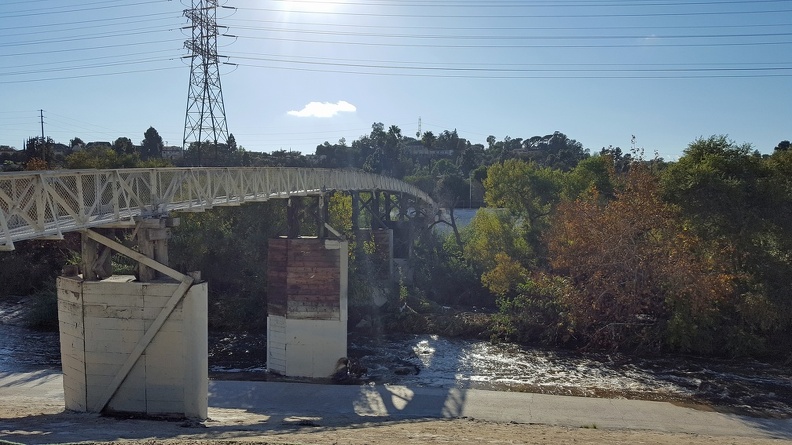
(22, 349)
(744, 386)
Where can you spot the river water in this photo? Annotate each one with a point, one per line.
(744, 386)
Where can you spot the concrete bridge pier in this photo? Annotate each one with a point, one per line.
(307, 296)
(393, 222)
(307, 305)
(133, 345)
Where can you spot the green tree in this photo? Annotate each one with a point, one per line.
(41, 148)
(151, 146)
(595, 173)
(124, 146)
(101, 158)
(231, 143)
(428, 139)
(556, 151)
(444, 167)
(492, 232)
(524, 188)
(741, 204)
(783, 145)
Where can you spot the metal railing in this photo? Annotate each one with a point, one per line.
(49, 203)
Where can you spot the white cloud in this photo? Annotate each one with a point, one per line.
(324, 109)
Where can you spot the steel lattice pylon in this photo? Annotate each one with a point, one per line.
(205, 117)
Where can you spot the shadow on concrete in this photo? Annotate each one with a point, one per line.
(20, 382)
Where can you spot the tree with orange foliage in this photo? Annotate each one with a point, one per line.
(641, 280)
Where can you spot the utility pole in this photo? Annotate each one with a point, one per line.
(205, 116)
(43, 144)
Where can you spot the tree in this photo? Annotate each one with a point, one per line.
(76, 143)
(151, 146)
(490, 142)
(741, 204)
(556, 151)
(525, 188)
(428, 139)
(782, 146)
(231, 143)
(467, 161)
(449, 140)
(41, 148)
(492, 232)
(444, 167)
(101, 158)
(391, 157)
(641, 280)
(596, 173)
(124, 146)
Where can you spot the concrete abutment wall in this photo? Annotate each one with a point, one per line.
(103, 322)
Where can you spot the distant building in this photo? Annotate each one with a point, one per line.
(61, 149)
(417, 150)
(5, 149)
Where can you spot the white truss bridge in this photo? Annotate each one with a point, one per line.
(45, 204)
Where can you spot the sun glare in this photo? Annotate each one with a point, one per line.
(317, 6)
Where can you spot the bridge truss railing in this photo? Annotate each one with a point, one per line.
(49, 203)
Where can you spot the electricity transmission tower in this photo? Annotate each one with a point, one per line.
(205, 117)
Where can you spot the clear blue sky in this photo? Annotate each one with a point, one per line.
(666, 71)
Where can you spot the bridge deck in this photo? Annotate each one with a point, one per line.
(49, 203)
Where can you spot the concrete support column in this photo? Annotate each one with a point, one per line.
(307, 306)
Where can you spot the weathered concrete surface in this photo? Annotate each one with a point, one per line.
(103, 324)
(247, 409)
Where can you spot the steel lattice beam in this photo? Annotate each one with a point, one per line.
(46, 204)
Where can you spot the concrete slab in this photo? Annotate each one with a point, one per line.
(239, 409)
(390, 402)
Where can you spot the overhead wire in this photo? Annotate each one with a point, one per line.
(529, 4)
(436, 40)
(528, 16)
(49, 11)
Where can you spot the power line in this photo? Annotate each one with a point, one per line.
(83, 76)
(544, 74)
(527, 27)
(146, 31)
(524, 37)
(90, 48)
(49, 11)
(55, 26)
(527, 4)
(533, 16)
(643, 44)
